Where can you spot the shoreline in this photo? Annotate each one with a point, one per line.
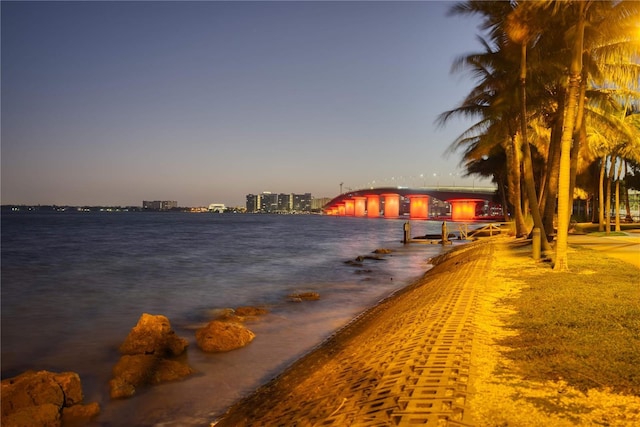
(284, 335)
(359, 337)
(430, 353)
(469, 344)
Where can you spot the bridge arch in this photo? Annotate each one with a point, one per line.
(387, 201)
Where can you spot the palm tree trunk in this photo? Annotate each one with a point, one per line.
(503, 197)
(603, 165)
(529, 180)
(592, 172)
(607, 201)
(617, 207)
(625, 189)
(579, 137)
(553, 164)
(564, 178)
(542, 189)
(525, 198)
(513, 170)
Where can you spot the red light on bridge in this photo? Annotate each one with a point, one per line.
(359, 206)
(463, 210)
(419, 207)
(349, 207)
(373, 206)
(391, 205)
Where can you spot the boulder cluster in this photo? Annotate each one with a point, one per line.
(150, 355)
(43, 398)
(153, 353)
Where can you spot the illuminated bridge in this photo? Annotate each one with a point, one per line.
(466, 203)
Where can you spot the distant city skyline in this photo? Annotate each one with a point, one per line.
(112, 103)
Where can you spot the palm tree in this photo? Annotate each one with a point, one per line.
(512, 27)
(600, 57)
(611, 44)
(628, 149)
(609, 25)
(571, 108)
(494, 100)
(519, 30)
(612, 133)
(491, 100)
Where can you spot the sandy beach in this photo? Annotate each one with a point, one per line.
(430, 355)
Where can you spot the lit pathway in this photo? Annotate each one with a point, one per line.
(626, 248)
(400, 364)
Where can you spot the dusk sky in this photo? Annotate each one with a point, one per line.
(112, 103)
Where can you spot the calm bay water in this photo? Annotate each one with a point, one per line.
(74, 284)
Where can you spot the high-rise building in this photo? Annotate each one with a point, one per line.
(302, 202)
(285, 202)
(268, 202)
(318, 203)
(159, 205)
(253, 203)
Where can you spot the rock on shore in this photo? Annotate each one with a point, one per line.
(150, 355)
(218, 336)
(153, 335)
(250, 311)
(304, 296)
(239, 315)
(43, 398)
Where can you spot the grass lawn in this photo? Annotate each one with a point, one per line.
(557, 349)
(582, 327)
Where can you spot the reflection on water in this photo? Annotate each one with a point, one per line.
(74, 284)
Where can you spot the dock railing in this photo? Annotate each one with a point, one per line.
(491, 229)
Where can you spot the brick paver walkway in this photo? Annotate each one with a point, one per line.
(403, 363)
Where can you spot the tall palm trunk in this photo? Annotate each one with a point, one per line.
(603, 167)
(625, 189)
(579, 137)
(564, 178)
(525, 199)
(594, 195)
(515, 197)
(617, 207)
(607, 201)
(526, 149)
(503, 197)
(553, 164)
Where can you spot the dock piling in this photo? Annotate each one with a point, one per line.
(407, 232)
